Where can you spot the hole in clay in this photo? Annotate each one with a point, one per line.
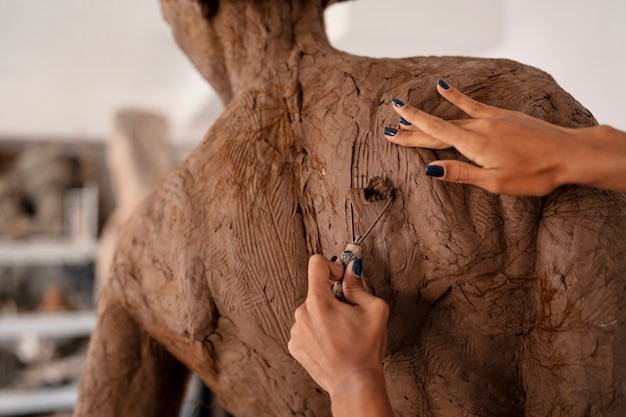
(378, 188)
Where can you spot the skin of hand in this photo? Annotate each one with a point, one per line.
(341, 345)
(512, 152)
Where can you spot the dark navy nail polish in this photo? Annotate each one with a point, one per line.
(333, 259)
(357, 267)
(390, 131)
(397, 102)
(443, 84)
(435, 171)
(404, 121)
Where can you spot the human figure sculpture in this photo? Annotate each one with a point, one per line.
(500, 306)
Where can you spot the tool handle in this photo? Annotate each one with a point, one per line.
(351, 252)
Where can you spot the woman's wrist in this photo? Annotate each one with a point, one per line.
(572, 157)
(362, 393)
(596, 156)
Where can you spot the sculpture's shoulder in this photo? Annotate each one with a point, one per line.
(515, 86)
(496, 81)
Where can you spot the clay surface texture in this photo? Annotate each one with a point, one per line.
(500, 306)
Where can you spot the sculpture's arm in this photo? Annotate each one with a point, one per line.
(574, 357)
(127, 373)
(142, 313)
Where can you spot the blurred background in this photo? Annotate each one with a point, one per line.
(67, 66)
(88, 89)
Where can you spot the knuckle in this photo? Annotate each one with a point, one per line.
(487, 124)
(454, 95)
(475, 106)
(458, 173)
(380, 307)
(314, 308)
(435, 123)
(406, 138)
(604, 130)
(292, 335)
(495, 184)
(317, 259)
(411, 113)
(292, 347)
(299, 313)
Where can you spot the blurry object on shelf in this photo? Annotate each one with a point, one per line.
(10, 367)
(34, 349)
(139, 156)
(56, 287)
(41, 356)
(81, 213)
(33, 192)
(53, 200)
(54, 372)
(45, 320)
(45, 173)
(54, 300)
(15, 218)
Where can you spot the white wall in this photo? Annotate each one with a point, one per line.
(67, 65)
(582, 44)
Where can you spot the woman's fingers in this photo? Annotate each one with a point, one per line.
(354, 288)
(420, 129)
(321, 272)
(461, 172)
(470, 106)
(302, 341)
(498, 181)
(414, 138)
(426, 131)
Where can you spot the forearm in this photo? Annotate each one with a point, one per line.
(597, 157)
(363, 394)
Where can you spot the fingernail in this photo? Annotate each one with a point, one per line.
(435, 171)
(333, 259)
(357, 267)
(443, 84)
(397, 102)
(404, 121)
(390, 131)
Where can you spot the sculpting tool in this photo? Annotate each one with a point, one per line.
(377, 189)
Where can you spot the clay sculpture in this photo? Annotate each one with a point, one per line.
(500, 306)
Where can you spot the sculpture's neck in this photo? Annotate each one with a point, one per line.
(260, 39)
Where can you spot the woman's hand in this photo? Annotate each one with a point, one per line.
(342, 345)
(513, 152)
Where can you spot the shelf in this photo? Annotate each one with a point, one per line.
(18, 402)
(15, 402)
(47, 252)
(43, 400)
(50, 325)
(26, 402)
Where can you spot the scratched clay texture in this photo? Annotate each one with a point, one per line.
(500, 306)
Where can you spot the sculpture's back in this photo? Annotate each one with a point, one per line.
(499, 305)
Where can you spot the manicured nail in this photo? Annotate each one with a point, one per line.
(333, 259)
(357, 267)
(404, 121)
(390, 131)
(443, 84)
(397, 102)
(435, 171)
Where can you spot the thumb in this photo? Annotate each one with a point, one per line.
(354, 288)
(461, 172)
